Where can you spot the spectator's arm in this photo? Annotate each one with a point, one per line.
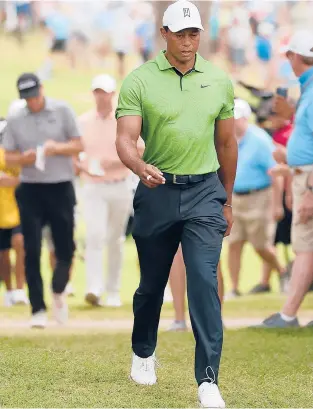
(8, 181)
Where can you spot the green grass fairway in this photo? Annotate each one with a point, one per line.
(259, 369)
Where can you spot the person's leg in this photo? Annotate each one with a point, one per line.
(177, 282)
(236, 241)
(96, 219)
(201, 244)
(234, 263)
(301, 279)
(5, 273)
(29, 199)
(157, 233)
(18, 246)
(60, 202)
(119, 197)
(178, 285)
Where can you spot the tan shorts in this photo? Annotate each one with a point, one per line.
(253, 219)
(301, 234)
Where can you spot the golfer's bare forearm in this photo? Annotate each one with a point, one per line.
(128, 132)
(227, 156)
(227, 153)
(128, 153)
(14, 159)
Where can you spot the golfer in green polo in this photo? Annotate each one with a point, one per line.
(182, 106)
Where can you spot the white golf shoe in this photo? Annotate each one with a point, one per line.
(209, 396)
(143, 370)
(39, 319)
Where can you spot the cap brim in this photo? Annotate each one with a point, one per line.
(29, 93)
(105, 89)
(179, 27)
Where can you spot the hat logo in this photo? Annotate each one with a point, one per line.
(27, 84)
(186, 12)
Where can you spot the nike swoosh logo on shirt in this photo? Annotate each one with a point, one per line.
(205, 86)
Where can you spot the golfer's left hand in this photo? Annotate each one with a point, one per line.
(228, 214)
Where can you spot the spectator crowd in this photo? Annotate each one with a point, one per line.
(46, 152)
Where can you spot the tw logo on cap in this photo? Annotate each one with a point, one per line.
(27, 84)
(186, 12)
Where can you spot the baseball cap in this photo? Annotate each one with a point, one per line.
(300, 43)
(242, 109)
(104, 82)
(181, 15)
(28, 85)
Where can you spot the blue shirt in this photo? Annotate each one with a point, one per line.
(255, 159)
(263, 48)
(146, 32)
(59, 25)
(300, 144)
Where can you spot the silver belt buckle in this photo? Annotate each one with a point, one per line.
(175, 181)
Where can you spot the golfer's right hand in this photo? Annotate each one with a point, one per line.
(150, 176)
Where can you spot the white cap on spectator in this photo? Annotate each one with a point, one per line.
(181, 15)
(242, 109)
(104, 82)
(300, 43)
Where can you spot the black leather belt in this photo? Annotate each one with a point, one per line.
(185, 179)
(248, 192)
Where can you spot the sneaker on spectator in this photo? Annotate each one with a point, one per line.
(209, 396)
(178, 326)
(276, 321)
(232, 295)
(69, 290)
(143, 370)
(60, 308)
(8, 299)
(39, 319)
(20, 297)
(93, 299)
(113, 300)
(260, 289)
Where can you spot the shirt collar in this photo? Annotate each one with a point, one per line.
(164, 64)
(306, 76)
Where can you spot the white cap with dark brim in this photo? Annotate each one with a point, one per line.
(104, 82)
(300, 43)
(182, 15)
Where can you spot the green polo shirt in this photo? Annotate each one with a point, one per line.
(178, 113)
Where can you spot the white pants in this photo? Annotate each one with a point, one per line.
(107, 207)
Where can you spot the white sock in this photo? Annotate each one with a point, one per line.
(286, 317)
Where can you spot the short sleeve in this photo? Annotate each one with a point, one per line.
(129, 101)
(309, 116)
(227, 110)
(9, 141)
(71, 124)
(266, 155)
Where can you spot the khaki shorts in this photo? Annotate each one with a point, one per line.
(301, 234)
(253, 221)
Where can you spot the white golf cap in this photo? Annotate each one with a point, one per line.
(300, 43)
(181, 15)
(104, 82)
(242, 109)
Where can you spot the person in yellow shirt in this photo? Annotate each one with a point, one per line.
(10, 235)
